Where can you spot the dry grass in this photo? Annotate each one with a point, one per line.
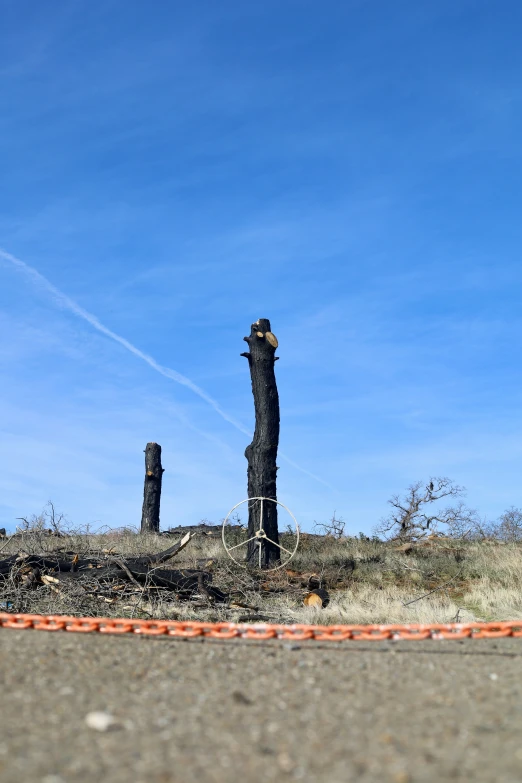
(368, 581)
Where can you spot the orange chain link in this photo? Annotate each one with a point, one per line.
(262, 631)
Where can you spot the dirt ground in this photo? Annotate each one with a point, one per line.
(215, 712)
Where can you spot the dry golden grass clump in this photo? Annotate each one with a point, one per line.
(368, 581)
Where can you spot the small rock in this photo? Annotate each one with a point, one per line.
(285, 762)
(401, 777)
(100, 721)
(493, 676)
(240, 698)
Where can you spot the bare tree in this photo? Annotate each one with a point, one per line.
(335, 527)
(509, 525)
(418, 512)
(48, 521)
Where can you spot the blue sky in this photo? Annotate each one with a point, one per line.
(174, 171)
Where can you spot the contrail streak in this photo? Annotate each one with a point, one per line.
(306, 472)
(69, 304)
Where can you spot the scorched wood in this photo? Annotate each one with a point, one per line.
(261, 454)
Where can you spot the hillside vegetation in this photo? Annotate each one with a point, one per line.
(438, 579)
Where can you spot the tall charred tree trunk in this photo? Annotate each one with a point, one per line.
(152, 491)
(262, 452)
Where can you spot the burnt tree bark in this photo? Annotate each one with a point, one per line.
(262, 452)
(150, 514)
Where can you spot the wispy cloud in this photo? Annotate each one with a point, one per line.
(67, 303)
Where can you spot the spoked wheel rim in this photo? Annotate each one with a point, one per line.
(260, 535)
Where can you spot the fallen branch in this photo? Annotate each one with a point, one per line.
(433, 591)
(121, 564)
(108, 571)
(172, 551)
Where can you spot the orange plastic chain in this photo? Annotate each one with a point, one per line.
(262, 631)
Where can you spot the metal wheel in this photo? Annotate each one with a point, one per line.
(260, 536)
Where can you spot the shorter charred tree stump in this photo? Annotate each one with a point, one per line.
(150, 515)
(262, 452)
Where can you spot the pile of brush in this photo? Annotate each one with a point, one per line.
(110, 577)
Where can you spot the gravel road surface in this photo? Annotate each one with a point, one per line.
(215, 712)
